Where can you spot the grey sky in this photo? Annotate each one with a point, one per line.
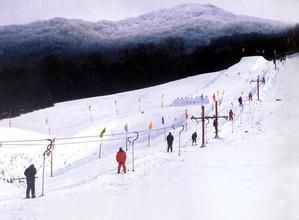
(25, 11)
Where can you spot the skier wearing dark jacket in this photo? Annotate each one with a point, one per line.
(194, 136)
(250, 96)
(169, 142)
(30, 179)
(240, 101)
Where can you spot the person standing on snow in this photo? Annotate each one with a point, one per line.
(230, 115)
(30, 180)
(169, 139)
(240, 101)
(214, 97)
(250, 96)
(121, 157)
(194, 136)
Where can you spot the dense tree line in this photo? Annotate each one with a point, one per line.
(39, 80)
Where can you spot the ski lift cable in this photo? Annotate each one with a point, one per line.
(21, 144)
(10, 142)
(64, 143)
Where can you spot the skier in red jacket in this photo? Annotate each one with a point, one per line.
(121, 157)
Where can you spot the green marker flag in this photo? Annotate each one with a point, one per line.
(102, 133)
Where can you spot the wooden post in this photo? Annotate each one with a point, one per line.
(116, 111)
(126, 141)
(149, 139)
(150, 126)
(216, 115)
(52, 149)
(46, 153)
(139, 100)
(43, 178)
(180, 139)
(100, 150)
(186, 118)
(137, 135)
(258, 87)
(203, 126)
(133, 158)
(51, 174)
(90, 116)
(203, 117)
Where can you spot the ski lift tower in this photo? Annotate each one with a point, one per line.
(258, 81)
(204, 117)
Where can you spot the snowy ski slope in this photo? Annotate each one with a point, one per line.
(250, 172)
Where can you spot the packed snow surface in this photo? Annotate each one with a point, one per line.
(250, 172)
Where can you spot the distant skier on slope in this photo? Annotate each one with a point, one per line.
(250, 96)
(194, 136)
(169, 139)
(214, 97)
(263, 80)
(240, 101)
(30, 180)
(230, 115)
(121, 157)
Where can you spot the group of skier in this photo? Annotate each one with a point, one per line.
(121, 156)
(30, 172)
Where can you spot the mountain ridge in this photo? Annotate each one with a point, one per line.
(197, 24)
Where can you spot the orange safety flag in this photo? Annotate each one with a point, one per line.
(150, 126)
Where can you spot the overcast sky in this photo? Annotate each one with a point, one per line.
(25, 11)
